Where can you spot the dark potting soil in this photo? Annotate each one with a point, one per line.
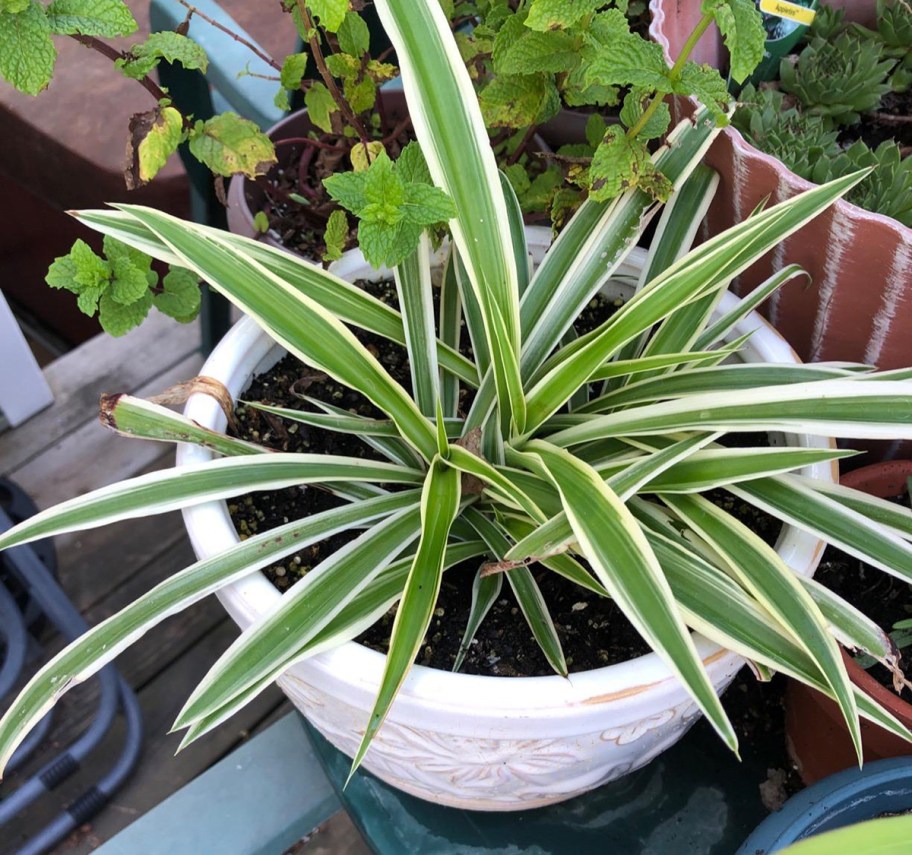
(593, 631)
(891, 121)
(299, 224)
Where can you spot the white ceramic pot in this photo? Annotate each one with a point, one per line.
(482, 743)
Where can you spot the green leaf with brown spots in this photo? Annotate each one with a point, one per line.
(230, 145)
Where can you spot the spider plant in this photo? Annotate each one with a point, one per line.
(587, 454)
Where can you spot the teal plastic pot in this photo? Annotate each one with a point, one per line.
(843, 799)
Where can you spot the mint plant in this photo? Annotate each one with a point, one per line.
(227, 144)
(530, 60)
(122, 287)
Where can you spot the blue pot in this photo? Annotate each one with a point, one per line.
(842, 799)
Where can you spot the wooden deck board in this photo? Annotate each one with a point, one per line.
(61, 453)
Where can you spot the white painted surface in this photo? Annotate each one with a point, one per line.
(23, 389)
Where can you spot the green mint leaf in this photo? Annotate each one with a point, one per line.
(330, 13)
(559, 14)
(595, 129)
(518, 178)
(343, 65)
(117, 319)
(635, 104)
(425, 205)
(354, 35)
(347, 188)
(542, 190)
(129, 271)
(321, 108)
(280, 99)
(383, 191)
(62, 274)
(360, 94)
(92, 271)
(519, 50)
(577, 92)
(106, 18)
(168, 46)
(618, 57)
(87, 300)
(742, 31)
(128, 282)
(115, 250)
(154, 137)
(411, 166)
(622, 162)
(377, 241)
(519, 100)
(180, 298)
(293, 68)
(230, 145)
(27, 53)
(14, 6)
(335, 236)
(707, 86)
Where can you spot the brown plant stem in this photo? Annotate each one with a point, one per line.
(228, 32)
(892, 118)
(113, 54)
(317, 52)
(523, 143)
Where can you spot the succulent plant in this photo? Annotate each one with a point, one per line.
(828, 23)
(767, 118)
(887, 190)
(838, 79)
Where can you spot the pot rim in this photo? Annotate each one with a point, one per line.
(209, 526)
(790, 183)
(822, 806)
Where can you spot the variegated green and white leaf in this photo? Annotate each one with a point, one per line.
(622, 559)
(762, 292)
(485, 591)
(718, 378)
(440, 500)
(700, 272)
(348, 302)
(722, 611)
(526, 591)
(416, 303)
(359, 615)
(265, 649)
(450, 324)
(101, 644)
(887, 513)
(453, 138)
(860, 408)
(173, 489)
(789, 498)
(136, 417)
(761, 571)
(634, 474)
(625, 367)
(293, 319)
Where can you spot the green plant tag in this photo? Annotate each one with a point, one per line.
(785, 22)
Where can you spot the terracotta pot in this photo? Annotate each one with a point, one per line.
(816, 734)
(246, 197)
(481, 743)
(860, 263)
